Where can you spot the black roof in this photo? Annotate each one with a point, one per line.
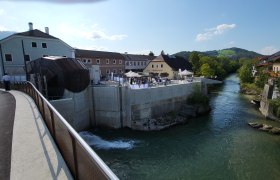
(36, 33)
(136, 57)
(274, 57)
(80, 53)
(177, 63)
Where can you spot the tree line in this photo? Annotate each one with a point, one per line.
(211, 66)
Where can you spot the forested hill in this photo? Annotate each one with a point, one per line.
(232, 53)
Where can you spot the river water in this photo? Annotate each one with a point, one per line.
(218, 146)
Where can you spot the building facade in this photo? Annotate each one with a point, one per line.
(136, 63)
(167, 66)
(20, 48)
(109, 62)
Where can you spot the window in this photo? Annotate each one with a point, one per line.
(142, 63)
(120, 71)
(161, 65)
(44, 45)
(89, 61)
(84, 60)
(114, 71)
(34, 44)
(152, 66)
(26, 57)
(97, 61)
(108, 71)
(127, 63)
(64, 56)
(114, 61)
(130, 63)
(120, 61)
(134, 63)
(8, 57)
(107, 61)
(138, 63)
(45, 55)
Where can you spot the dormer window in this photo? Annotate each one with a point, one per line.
(34, 44)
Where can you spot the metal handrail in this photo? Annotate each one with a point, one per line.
(102, 171)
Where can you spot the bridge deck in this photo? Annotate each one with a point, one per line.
(32, 153)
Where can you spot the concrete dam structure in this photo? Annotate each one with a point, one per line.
(124, 107)
(120, 106)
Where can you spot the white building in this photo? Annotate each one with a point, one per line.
(19, 48)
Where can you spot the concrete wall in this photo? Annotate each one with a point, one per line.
(75, 108)
(106, 105)
(123, 107)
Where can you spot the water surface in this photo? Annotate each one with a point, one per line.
(218, 146)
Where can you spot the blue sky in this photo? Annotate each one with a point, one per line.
(140, 26)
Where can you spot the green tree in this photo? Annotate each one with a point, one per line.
(261, 80)
(194, 60)
(206, 70)
(245, 73)
(151, 53)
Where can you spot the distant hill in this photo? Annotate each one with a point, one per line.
(4, 34)
(232, 53)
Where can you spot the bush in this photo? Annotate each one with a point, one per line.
(275, 106)
(250, 88)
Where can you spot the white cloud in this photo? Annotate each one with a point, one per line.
(98, 34)
(2, 28)
(2, 11)
(88, 32)
(231, 43)
(210, 33)
(268, 50)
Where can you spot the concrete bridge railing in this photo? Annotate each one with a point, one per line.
(82, 161)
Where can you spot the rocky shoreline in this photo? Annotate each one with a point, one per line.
(266, 128)
(186, 113)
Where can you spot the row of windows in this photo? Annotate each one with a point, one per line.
(34, 45)
(98, 61)
(9, 57)
(108, 71)
(157, 66)
(138, 63)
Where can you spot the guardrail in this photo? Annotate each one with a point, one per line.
(82, 161)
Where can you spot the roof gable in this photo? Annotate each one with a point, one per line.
(177, 63)
(35, 33)
(135, 57)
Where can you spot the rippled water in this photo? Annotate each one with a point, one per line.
(218, 146)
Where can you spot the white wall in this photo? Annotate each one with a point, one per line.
(55, 47)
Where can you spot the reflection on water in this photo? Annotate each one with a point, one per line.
(218, 146)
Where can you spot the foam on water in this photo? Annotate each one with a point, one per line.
(100, 143)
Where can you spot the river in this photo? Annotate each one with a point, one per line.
(218, 146)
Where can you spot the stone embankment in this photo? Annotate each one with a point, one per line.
(265, 128)
(186, 113)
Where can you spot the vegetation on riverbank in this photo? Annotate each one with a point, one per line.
(211, 66)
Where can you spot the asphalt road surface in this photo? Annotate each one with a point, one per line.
(7, 115)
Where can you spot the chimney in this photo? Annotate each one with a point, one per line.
(30, 26)
(47, 30)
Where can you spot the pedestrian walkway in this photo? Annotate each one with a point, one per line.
(34, 154)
